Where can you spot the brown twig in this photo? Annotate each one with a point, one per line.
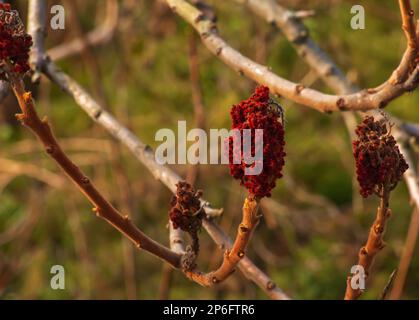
(103, 208)
(373, 245)
(359, 101)
(233, 255)
(388, 285)
(21, 168)
(406, 258)
(11, 268)
(197, 99)
(87, 54)
(413, 230)
(91, 63)
(165, 282)
(81, 245)
(20, 228)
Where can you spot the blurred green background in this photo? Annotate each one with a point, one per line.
(313, 225)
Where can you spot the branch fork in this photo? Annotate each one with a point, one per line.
(234, 254)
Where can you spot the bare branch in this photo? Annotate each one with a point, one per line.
(162, 173)
(406, 257)
(388, 285)
(37, 29)
(409, 59)
(4, 90)
(330, 73)
(373, 245)
(233, 255)
(246, 266)
(412, 233)
(31, 170)
(360, 101)
(103, 208)
(145, 155)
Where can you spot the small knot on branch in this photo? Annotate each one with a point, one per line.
(378, 229)
(97, 114)
(199, 18)
(20, 117)
(270, 285)
(27, 96)
(363, 251)
(243, 228)
(341, 103)
(382, 104)
(299, 87)
(95, 210)
(50, 149)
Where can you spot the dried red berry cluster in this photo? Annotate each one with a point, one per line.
(259, 112)
(14, 42)
(379, 163)
(186, 211)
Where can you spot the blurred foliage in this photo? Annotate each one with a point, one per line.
(306, 246)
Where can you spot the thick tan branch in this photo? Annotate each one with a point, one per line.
(362, 100)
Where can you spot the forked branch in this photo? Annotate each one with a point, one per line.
(363, 100)
(233, 255)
